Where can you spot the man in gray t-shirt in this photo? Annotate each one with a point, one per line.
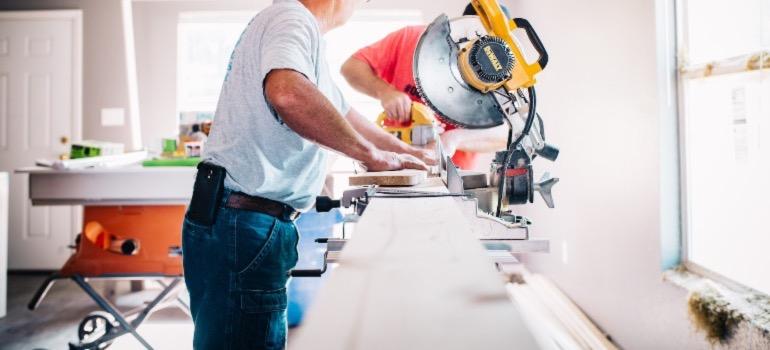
(278, 108)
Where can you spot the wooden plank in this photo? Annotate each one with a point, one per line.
(414, 277)
(406, 177)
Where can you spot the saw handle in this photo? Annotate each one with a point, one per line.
(532, 35)
(384, 121)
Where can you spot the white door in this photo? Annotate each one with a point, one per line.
(40, 102)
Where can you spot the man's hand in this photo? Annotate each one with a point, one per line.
(428, 156)
(397, 105)
(361, 76)
(386, 141)
(384, 161)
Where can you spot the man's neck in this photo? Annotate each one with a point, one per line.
(322, 12)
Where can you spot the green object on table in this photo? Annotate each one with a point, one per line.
(80, 151)
(93, 148)
(169, 145)
(193, 161)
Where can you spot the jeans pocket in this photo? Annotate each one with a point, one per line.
(262, 320)
(257, 301)
(254, 237)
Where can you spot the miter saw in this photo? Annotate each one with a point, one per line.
(473, 73)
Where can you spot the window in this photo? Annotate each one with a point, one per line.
(206, 40)
(724, 77)
(366, 27)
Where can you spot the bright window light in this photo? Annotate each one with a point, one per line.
(726, 138)
(206, 40)
(364, 28)
(721, 29)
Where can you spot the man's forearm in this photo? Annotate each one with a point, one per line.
(307, 111)
(380, 138)
(362, 78)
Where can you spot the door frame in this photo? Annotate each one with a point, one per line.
(75, 17)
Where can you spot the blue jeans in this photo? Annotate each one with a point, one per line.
(236, 272)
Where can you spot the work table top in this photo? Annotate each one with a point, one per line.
(124, 169)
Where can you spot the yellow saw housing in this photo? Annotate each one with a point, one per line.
(418, 132)
(503, 58)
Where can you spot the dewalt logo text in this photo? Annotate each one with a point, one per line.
(492, 58)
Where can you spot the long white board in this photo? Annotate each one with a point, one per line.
(413, 277)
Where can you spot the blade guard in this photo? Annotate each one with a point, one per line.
(441, 86)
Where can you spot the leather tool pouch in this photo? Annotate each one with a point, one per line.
(207, 194)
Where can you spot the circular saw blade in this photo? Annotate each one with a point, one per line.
(441, 86)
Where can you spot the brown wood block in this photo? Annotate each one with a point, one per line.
(407, 177)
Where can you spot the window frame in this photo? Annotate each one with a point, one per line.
(684, 72)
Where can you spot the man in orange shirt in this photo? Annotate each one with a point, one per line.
(383, 70)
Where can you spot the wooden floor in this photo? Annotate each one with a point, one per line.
(55, 323)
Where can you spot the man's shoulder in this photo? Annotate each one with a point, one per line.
(288, 8)
(282, 11)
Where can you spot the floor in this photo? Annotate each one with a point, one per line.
(55, 322)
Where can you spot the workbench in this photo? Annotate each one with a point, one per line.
(413, 277)
(145, 205)
(133, 185)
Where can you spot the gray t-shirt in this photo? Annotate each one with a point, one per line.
(262, 155)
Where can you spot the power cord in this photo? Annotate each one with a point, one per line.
(531, 113)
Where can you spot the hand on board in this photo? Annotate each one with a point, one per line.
(384, 161)
(428, 156)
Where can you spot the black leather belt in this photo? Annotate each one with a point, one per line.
(270, 207)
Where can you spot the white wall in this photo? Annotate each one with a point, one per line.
(600, 100)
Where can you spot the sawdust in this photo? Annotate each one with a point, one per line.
(713, 315)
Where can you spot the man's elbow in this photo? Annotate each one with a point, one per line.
(351, 68)
(280, 91)
(282, 100)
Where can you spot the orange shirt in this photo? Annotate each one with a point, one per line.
(391, 60)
